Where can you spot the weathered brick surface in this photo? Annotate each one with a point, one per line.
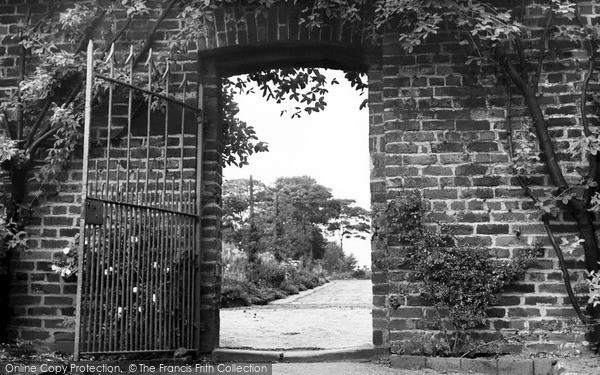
(435, 124)
(451, 132)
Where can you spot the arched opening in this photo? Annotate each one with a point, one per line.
(302, 209)
(225, 63)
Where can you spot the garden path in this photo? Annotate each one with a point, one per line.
(333, 316)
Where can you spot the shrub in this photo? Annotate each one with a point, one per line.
(465, 279)
(235, 293)
(235, 262)
(459, 281)
(290, 288)
(269, 274)
(263, 281)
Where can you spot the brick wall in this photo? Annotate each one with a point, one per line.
(435, 124)
(41, 303)
(445, 135)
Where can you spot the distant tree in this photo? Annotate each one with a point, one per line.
(236, 204)
(353, 222)
(305, 201)
(291, 218)
(336, 260)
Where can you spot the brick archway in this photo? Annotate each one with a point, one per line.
(255, 43)
(436, 125)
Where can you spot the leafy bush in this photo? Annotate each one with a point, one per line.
(235, 263)
(465, 280)
(459, 281)
(361, 273)
(290, 288)
(307, 279)
(336, 260)
(267, 274)
(263, 281)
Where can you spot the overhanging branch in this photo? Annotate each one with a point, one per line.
(150, 39)
(542, 48)
(557, 249)
(6, 126)
(565, 271)
(539, 123)
(45, 135)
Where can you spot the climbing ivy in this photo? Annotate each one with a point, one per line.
(460, 281)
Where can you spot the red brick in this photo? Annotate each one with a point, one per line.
(58, 301)
(34, 335)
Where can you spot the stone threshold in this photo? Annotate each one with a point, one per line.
(297, 356)
(497, 366)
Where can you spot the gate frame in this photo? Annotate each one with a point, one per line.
(196, 295)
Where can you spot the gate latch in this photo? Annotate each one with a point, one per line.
(94, 212)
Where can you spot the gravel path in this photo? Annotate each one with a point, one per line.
(333, 316)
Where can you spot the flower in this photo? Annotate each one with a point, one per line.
(66, 262)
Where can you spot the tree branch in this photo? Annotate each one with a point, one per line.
(593, 159)
(38, 121)
(20, 124)
(584, 91)
(81, 45)
(519, 45)
(87, 33)
(539, 122)
(150, 39)
(22, 66)
(565, 271)
(46, 134)
(542, 48)
(119, 33)
(6, 126)
(545, 220)
(578, 205)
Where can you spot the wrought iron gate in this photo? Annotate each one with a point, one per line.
(138, 251)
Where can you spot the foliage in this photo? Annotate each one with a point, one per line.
(461, 281)
(492, 34)
(414, 20)
(336, 260)
(247, 284)
(21, 352)
(289, 219)
(240, 140)
(306, 87)
(353, 222)
(66, 265)
(49, 101)
(594, 289)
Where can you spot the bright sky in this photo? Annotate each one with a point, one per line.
(330, 146)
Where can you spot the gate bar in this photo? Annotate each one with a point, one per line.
(198, 251)
(133, 205)
(86, 150)
(151, 93)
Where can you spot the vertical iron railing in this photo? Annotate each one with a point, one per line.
(139, 238)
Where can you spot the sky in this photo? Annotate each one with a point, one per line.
(331, 146)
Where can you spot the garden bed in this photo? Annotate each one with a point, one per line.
(267, 283)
